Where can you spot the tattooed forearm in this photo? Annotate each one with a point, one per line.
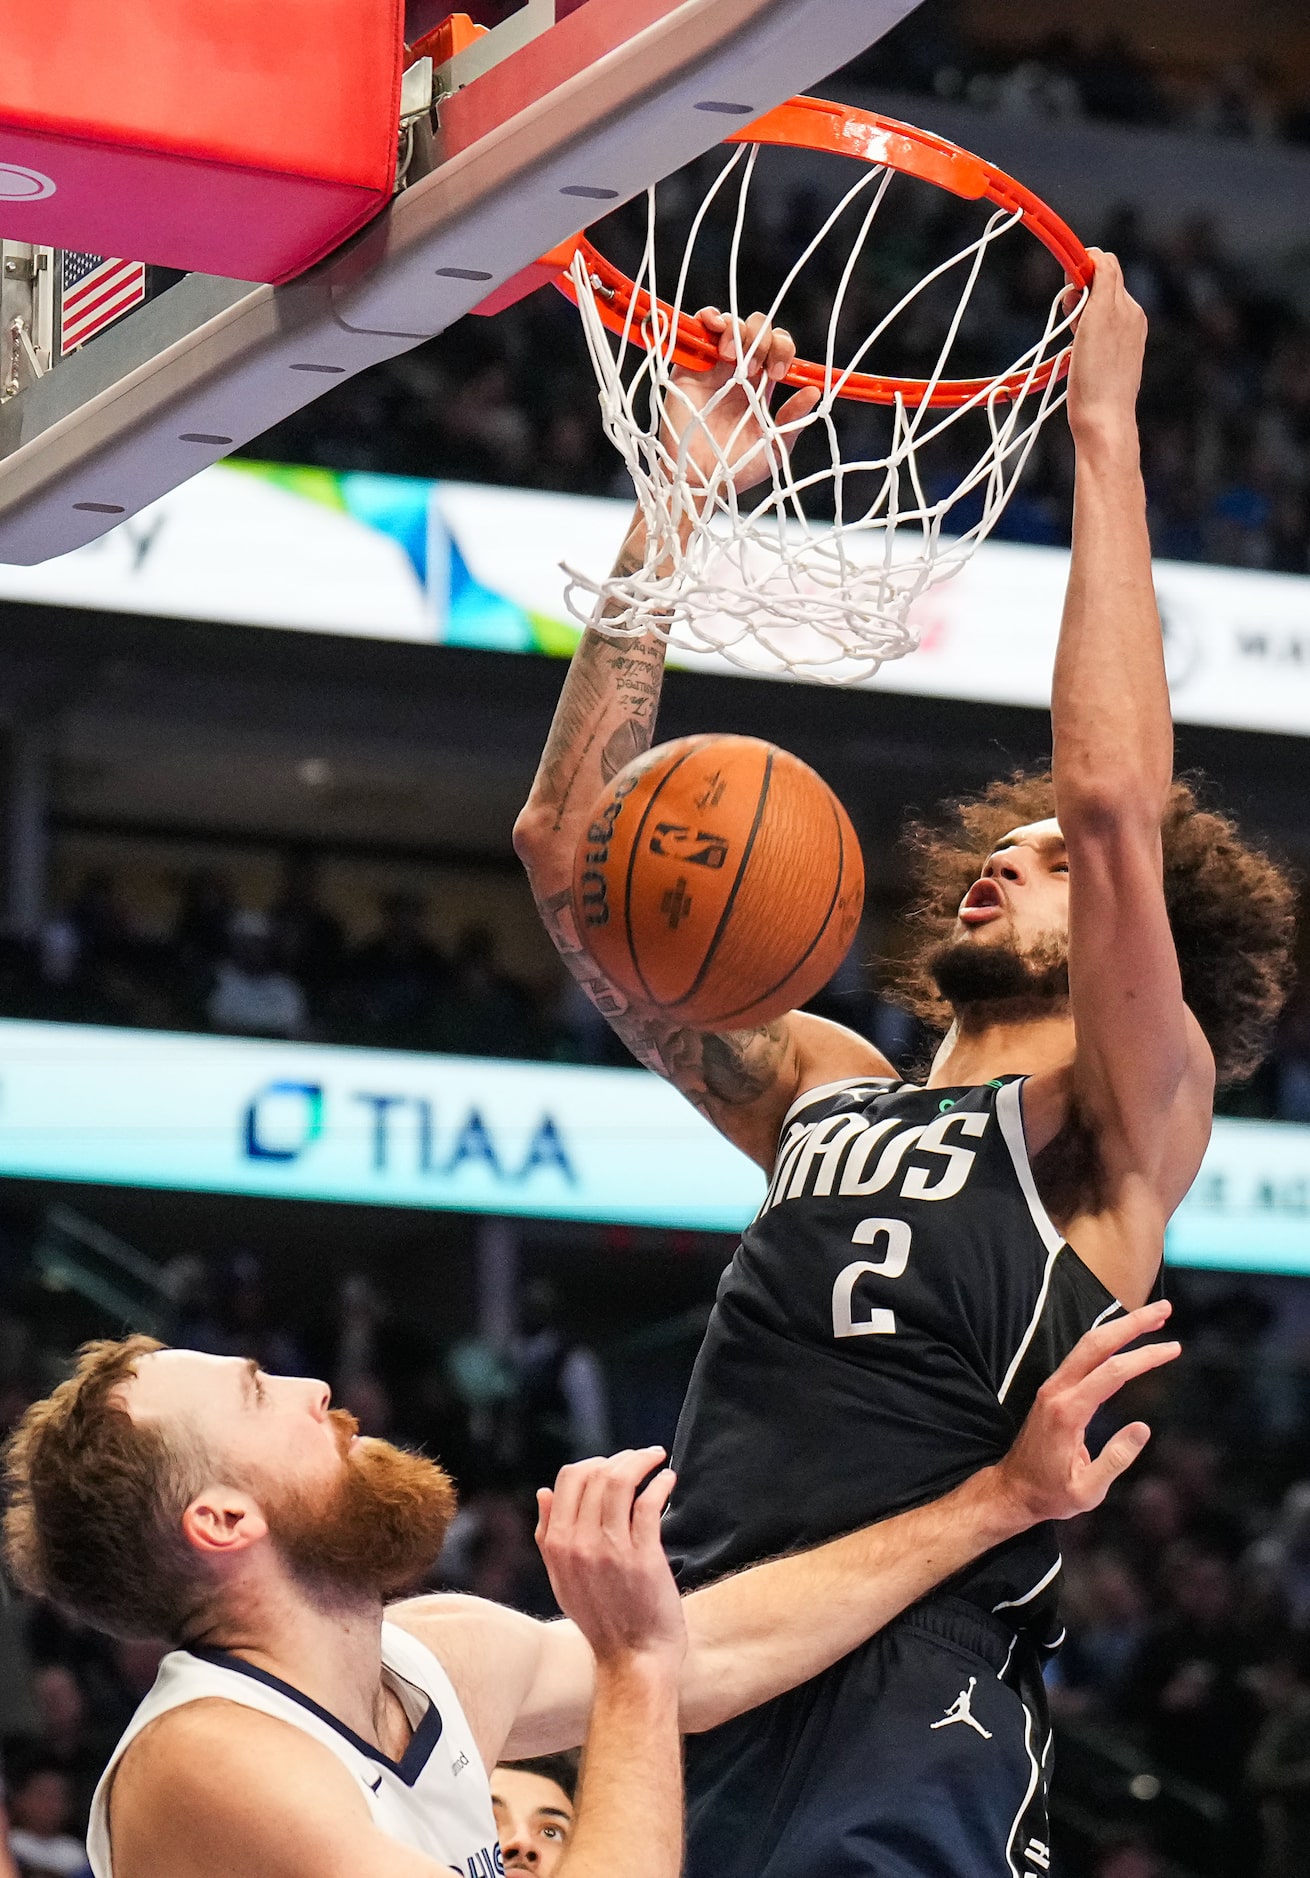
(604, 718)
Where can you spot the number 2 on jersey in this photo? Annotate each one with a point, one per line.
(893, 1235)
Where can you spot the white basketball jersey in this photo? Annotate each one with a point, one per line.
(435, 1798)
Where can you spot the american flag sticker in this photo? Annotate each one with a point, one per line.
(94, 289)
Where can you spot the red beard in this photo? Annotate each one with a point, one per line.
(377, 1531)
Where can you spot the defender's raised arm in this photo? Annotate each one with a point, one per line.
(752, 1635)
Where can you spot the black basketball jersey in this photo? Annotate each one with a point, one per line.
(879, 1336)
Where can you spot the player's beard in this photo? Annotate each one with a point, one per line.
(376, 1532)
(1001, 979)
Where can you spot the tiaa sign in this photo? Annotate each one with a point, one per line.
(405, 1136)
(568, 1141)
(308, 1121)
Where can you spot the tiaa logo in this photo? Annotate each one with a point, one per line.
(404, 1135)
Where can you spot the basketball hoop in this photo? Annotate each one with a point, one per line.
(814, 571)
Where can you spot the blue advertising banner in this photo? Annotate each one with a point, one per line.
(386, 1128)
(471, 1134)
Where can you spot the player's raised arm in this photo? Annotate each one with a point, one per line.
(1143, 1078)
(742, 1080)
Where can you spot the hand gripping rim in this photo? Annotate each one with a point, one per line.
(845, 130)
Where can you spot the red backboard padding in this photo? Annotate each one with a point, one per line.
(237, 137)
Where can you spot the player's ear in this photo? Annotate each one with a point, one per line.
(222, 1521)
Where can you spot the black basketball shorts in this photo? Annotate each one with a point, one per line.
(924, 1754)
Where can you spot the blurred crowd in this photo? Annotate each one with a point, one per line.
(1183, 1691)
(1086, 70)
(1182, 1695)
(284, 970)
(288, 969)
(1225, 406)
(1083, 70)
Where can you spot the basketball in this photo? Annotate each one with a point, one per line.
(719, 882)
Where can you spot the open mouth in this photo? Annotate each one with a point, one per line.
(984, 901)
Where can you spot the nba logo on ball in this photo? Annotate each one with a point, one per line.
(20, 184)
(719, 882)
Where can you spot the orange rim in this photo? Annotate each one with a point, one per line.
(813, 124)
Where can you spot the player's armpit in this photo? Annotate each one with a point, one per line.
(554, 1712)
(215, 1788)
(494, 1658)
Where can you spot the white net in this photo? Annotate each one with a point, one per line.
(816, 568)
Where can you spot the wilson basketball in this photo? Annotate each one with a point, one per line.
(719, 882)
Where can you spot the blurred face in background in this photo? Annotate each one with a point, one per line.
(534, 1817)
(42, 1804)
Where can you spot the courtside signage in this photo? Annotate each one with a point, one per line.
(395, 557)
(311, 1122)
(469, 1134)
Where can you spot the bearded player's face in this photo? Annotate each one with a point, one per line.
(1012, 927)
(348, 1514)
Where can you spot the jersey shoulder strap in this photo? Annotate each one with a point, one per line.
(828, 1097)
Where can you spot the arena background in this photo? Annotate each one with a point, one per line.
(272, 870)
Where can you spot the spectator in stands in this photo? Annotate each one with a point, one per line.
(1185, 1688)
(1278, 1771)
(91, 959)
(490, 1552)
(308, 940)
(249, 1324)
(562, 1406)
(99, 922)
(204, 918)
(356, 1384)
(533, 1804)
(393, 980)
(481, 1010)
(1154, 1521)
(40, 1837)
(1108, 1623)
(1282, 1557)
(66, 1738)
(251, 995)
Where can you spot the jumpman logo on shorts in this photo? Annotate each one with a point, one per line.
(960, 1711)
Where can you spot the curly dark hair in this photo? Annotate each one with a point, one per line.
(1232, 910)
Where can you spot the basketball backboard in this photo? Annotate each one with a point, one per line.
(565, 110)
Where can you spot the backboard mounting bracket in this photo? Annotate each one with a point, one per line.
(578, 118)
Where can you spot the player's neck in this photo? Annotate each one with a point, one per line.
(327, 1649)
(984, 1043)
